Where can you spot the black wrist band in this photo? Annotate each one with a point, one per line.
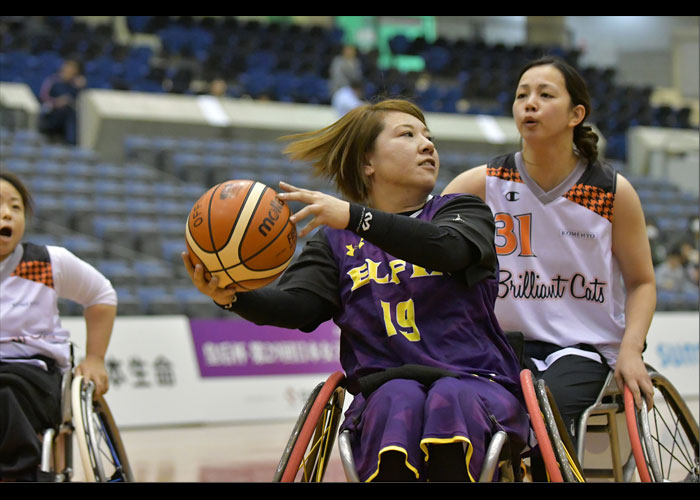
(359, 217)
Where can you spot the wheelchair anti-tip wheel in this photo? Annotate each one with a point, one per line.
(308, 450)
(101, 448)
(664, 438)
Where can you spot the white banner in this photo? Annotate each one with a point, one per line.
(155, 378)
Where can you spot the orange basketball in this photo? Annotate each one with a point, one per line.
(240, 232)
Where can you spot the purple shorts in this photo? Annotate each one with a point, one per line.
(406, 416)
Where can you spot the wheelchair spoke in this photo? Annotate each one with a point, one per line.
(319, 450)
(670, 441)
(678, 454)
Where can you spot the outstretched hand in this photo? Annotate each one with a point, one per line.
(323, 208)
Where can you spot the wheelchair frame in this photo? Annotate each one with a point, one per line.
(99, 443)
(308, 449)
(648, 453)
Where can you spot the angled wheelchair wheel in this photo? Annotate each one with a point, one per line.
(556, 448)
(527, 382)
(308, 450)
(101, 449)
(664, 438)
(563, 447)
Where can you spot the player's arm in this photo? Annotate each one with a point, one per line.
(79, 281)
(472, 181)
(459, 235)
(630, 245)
(304, 297)
(437, 244)
(99, 321)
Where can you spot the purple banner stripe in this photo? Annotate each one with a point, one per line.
(233, 348)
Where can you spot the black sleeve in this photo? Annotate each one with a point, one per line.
(460, 236)
(304, 297)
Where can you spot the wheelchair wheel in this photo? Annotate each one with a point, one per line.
(558, 452)
(307, 453)
(101, 449)
(561, 442)
(527, 381)
(664, 438)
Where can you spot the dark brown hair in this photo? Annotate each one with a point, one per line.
(585, 139)
(339, 151)
(22, 190)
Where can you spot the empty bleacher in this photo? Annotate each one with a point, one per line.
(128, 217)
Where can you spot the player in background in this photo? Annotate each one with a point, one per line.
(576, 274)
(410, 279)
(34, 347)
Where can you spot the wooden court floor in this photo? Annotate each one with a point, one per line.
(210, 453)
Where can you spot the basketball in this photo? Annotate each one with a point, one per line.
(240, 232)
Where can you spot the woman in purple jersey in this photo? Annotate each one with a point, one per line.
(410, 279)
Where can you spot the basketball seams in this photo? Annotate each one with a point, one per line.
(273, 240)
(253, 197)
(227, 263)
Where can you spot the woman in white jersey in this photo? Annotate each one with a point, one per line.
(576, 274)
(34, 347)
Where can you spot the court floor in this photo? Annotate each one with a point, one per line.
(235, 453)
(211, 453)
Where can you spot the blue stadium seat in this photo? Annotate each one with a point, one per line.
(158, 300)
(195, 304)
(129, 303)
(118, 271)
(84, 247)
(152, 272)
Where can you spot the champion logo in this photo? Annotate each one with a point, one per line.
(512, 196)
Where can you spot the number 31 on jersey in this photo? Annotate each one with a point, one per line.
(514, 234)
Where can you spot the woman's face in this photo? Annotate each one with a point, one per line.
(12, 218)
(403, 155)
(542, 106)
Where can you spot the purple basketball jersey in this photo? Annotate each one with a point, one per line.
(396, 313)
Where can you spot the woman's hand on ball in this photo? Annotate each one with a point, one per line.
(210, 288)
(325, 209)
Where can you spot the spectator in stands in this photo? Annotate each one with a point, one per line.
(218, 87)
(347, 98)
(658, 250)
(58, 97)
(346, 80)
(34, 347)
(672, 274)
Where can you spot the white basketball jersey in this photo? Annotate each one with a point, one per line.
(559, 282)
(32, 279)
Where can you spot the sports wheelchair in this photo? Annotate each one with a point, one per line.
(662, 445)
(89, 419)
(307, 453)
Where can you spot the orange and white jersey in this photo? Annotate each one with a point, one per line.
(32, 279)
(559, 281)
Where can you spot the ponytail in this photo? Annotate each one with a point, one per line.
(586, 141)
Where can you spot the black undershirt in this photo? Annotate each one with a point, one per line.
(458, 240)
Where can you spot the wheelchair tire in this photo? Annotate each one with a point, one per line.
(527, 382)
(664, 438)
(101, 449)
(561, 442)
(306, 455)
